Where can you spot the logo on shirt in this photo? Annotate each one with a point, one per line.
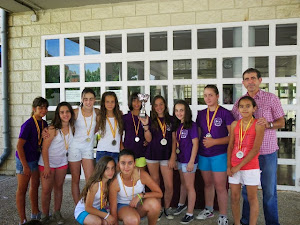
(184, 133)
(168, 127)
(218, 122)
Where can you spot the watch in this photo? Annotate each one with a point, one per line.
(271, 125)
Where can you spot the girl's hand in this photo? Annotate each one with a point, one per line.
(45, 133)
(171, 163)
(208, 142)
(26, 171)
(190, 167)
(234, 170)
(229, 173)
(144, 121)
(133, 203)
(110, 220)
(46, 172)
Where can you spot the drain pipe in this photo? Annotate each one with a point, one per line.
(4, 63)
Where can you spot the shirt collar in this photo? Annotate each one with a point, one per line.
(258, 94)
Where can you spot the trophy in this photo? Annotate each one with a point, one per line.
(143, 98)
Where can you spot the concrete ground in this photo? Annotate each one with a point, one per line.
(288, 204)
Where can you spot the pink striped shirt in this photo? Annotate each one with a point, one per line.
(269, 107)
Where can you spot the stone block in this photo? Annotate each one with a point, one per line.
(158, 20)
(32, 30)
(221, 4)
(21, 19)
(102, 12)
(183, 18)
(135, 22)
(23, 42)
(112, 24)
(288, 11)
(247, 3)
(15, 54)
(36, 64)
(28, 97)
(10, 20)
(170, 6)
(70, 27)
(195, 5)
(81, 14)
(262, 13)
(11, 164)
(50, 29)
(43, 18)
(36, 41)
(21, 87)
(15, 32)
(91, 25)
(16, 121)
(275, 2)
(15, 99)
(36, 87)
(208, 17)
(123, 10)
(32, 75)
(234, 15)
(60, 16)
(15, 131)
(31, 53)
(22, 65)
(16, 76)
(146, 8)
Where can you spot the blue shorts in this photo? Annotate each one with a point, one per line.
(100, 154)
(216, 163)
(32, 165)
(121, 205)
(80, 219)
(182, 166)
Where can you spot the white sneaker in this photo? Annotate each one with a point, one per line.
(222, 220)
(204, 214)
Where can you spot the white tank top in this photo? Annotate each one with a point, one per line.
(122, 197)
(80, 207)
(105, 142)
(57, 150)
(80, 137)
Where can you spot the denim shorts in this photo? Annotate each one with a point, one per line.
(182, 167)
(81, 217)
(121, 205)
(32, 165)
(100, 154)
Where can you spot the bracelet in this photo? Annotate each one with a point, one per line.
(140, 198)
(107, 216)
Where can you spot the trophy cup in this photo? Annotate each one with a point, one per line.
(143, 98)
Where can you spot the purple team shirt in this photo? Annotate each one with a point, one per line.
(156, 151)
(185, 143)
(137, 147)
(219, 129)
(29, 133)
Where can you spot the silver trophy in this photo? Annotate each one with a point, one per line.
(143, 98)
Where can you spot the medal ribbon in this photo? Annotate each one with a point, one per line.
(66, 142)
(38, 130)
(113, 130)
(241, 136)
(209, 123)
(125, 188)
(88, 131)
(163, 127)
(179, 136)
(136, 129)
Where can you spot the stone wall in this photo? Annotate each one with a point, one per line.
(25, 37)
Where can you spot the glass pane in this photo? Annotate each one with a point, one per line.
(207, 68)
(92, 72)
(182, 69)
(286, 34)
(92, 45)
(286, 175)
(260, 63)
(135, 42)
(50, 116)
(73, 95)
(182, 92)
(286, 92)
(206, 38)
(72, 73)
(231, 93)
(264, 87)
(52, 48)
(158, 41)
(113, 43)
(71, 46)
(135, 71)
(118, 91)
(53, 97)
(232, 67)
(286, 148)
(97, 91)
(159, 70)
(290, 121)
(133, 89)
(159, 90)
(259, 36)
(182, 39)
(232, 37)
(52, 74)
(114, 71)
(285, 66)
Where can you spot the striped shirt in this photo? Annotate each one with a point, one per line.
(269, 107)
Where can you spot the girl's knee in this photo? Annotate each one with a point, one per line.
(152, 204)
(131, 220)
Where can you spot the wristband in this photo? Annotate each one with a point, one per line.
(140, 198)
(106, 216)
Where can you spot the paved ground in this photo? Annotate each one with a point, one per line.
(289, 207)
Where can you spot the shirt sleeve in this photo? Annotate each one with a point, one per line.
(198, 119)
(235, 111)
(26, 130)
(277, 110)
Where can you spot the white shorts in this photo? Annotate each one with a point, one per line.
(77, 154)
(161, 162)
(246, 177)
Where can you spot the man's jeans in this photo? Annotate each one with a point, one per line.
(268, 166)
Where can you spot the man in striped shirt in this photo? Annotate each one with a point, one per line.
(270, 114)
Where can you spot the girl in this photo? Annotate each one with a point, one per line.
(127, 198)
(110, 127)
(158, 132)
(27, 156)
(185, 143)
(53, 163)
(81, 151)
(242, 160)
(91, 208)
(214, 130)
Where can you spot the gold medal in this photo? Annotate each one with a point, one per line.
(114, 142)
(208, 135)
(177, 150)
(113, 130)
(88, 139)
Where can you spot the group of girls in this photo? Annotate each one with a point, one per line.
(161, 142)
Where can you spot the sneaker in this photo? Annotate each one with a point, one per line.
(187, 219)
(24, 222)
(168, 213)
(45, 219)
(36, 216)
(204, 214)
(58, 218)
(160, 215)
(222, 220)
(179, 209)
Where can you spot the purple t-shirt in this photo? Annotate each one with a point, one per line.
(155, 150)
(129, 139)
(185, 142)
(29, 133)
(219, 129)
